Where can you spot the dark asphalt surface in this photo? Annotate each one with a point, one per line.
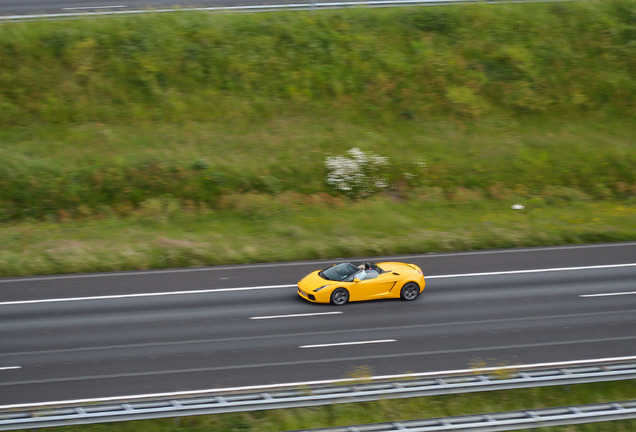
(35, 7)
(169, 343)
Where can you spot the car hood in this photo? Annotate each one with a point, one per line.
(313, 281)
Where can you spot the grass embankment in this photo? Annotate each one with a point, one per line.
(194, 139)
(393, 410)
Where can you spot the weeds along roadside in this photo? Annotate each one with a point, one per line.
(260, 229)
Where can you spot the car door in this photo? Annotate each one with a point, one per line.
(376, 287)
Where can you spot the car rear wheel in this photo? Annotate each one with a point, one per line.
(340, 296)
(410, 291)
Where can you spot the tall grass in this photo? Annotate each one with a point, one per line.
(467, 61)
(83, 170)
(101, 115)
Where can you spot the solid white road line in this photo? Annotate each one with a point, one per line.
(608, 294)
(294, 315)
(254, 288)
(154, 294)
(548, 270)
(348, 343)
(320, 382)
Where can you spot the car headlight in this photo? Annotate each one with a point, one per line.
(318, 289)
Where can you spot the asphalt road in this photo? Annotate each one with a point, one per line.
(119, 334)
(34, 7)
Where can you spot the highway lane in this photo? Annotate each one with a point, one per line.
(22, 7)
(515, 313)
(34, 7)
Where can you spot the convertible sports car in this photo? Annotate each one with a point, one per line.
(346, 282)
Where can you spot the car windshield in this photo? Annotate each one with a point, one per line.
(339, 272)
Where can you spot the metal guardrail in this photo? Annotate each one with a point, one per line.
(505, 421)
(125, 410)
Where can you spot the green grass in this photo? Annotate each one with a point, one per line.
(392, 410)
(101, 115)
(467, 61)
(260, 228)
(100, 169)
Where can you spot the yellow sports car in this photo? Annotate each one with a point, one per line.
(346, 282)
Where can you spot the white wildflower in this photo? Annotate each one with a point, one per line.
(359, 174)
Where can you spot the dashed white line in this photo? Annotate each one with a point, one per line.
(608, 294)
(348, 343)
(10, 367)
(294, 315)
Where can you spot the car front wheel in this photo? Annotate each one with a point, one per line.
(410, 291)
(339, 297)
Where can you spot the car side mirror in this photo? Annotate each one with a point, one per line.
(356, 280)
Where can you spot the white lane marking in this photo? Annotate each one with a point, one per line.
(548, 270)
(317, 262)
(154, 294)
(9, 367)
(348, 343)
(254, 288)
(608, 294)
(319, 382)
(294, 315)
(93, 7)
